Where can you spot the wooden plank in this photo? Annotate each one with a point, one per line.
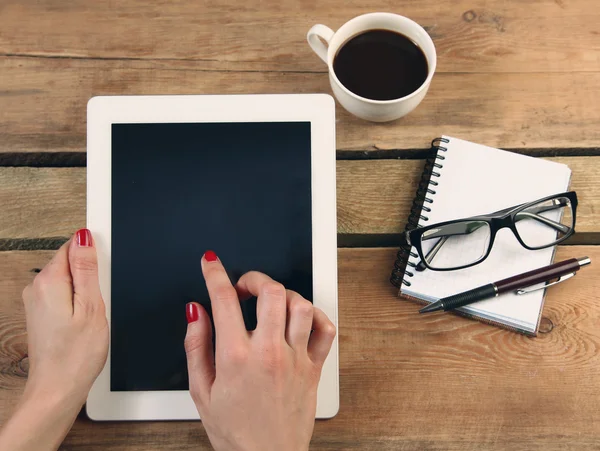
(374, 197)
(51, 199)
(408, 382)
(490, 36)
(43, 103)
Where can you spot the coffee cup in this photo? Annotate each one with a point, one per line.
(328, 44)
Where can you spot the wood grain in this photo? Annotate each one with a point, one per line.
(408, 382)
(51, 200)
(43, 103)
(470, 36)
(374, 197)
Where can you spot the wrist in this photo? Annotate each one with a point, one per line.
(44, 416)
(46, 398)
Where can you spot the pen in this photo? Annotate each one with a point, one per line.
(563, 270)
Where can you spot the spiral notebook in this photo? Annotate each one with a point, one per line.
(464, 179)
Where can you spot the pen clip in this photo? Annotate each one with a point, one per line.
(560, 279)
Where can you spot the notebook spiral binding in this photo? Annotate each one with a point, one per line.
(423, 196)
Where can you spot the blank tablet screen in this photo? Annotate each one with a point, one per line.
(240, 189)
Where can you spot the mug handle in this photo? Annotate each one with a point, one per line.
(324, 33)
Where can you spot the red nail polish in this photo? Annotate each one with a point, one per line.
(84, 238)
(191, 312)
(210, 256)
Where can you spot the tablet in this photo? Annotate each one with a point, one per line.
(251, 177)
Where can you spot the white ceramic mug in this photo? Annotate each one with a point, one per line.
(369, 109)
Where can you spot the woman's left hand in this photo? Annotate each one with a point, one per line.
(66, 322)
(67, 336)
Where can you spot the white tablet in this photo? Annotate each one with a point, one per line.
(251, 177)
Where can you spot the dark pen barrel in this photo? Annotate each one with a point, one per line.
(468, 297)
(536, 276)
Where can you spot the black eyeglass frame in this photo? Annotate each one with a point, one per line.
(496, 221)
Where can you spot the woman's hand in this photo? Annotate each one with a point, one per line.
(259, 390)
(66, 323)
(67, 336)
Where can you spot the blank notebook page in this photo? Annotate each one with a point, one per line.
(477, 180)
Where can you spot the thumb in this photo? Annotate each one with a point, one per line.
(83, 263)
(199, 351)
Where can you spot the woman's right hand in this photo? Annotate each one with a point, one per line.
(259, 390)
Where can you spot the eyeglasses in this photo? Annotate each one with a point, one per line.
(466, 242)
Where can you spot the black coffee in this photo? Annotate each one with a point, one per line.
(381, 65)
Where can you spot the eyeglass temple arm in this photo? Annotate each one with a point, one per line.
(432, 253)
(533, 213)
(561, 203)
(549, 222)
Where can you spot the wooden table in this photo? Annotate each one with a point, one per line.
(521, 75)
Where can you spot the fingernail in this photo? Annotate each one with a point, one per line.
(84, 238)
(210, 256)
(191, 312)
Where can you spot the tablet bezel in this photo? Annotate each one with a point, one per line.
(319, 110)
